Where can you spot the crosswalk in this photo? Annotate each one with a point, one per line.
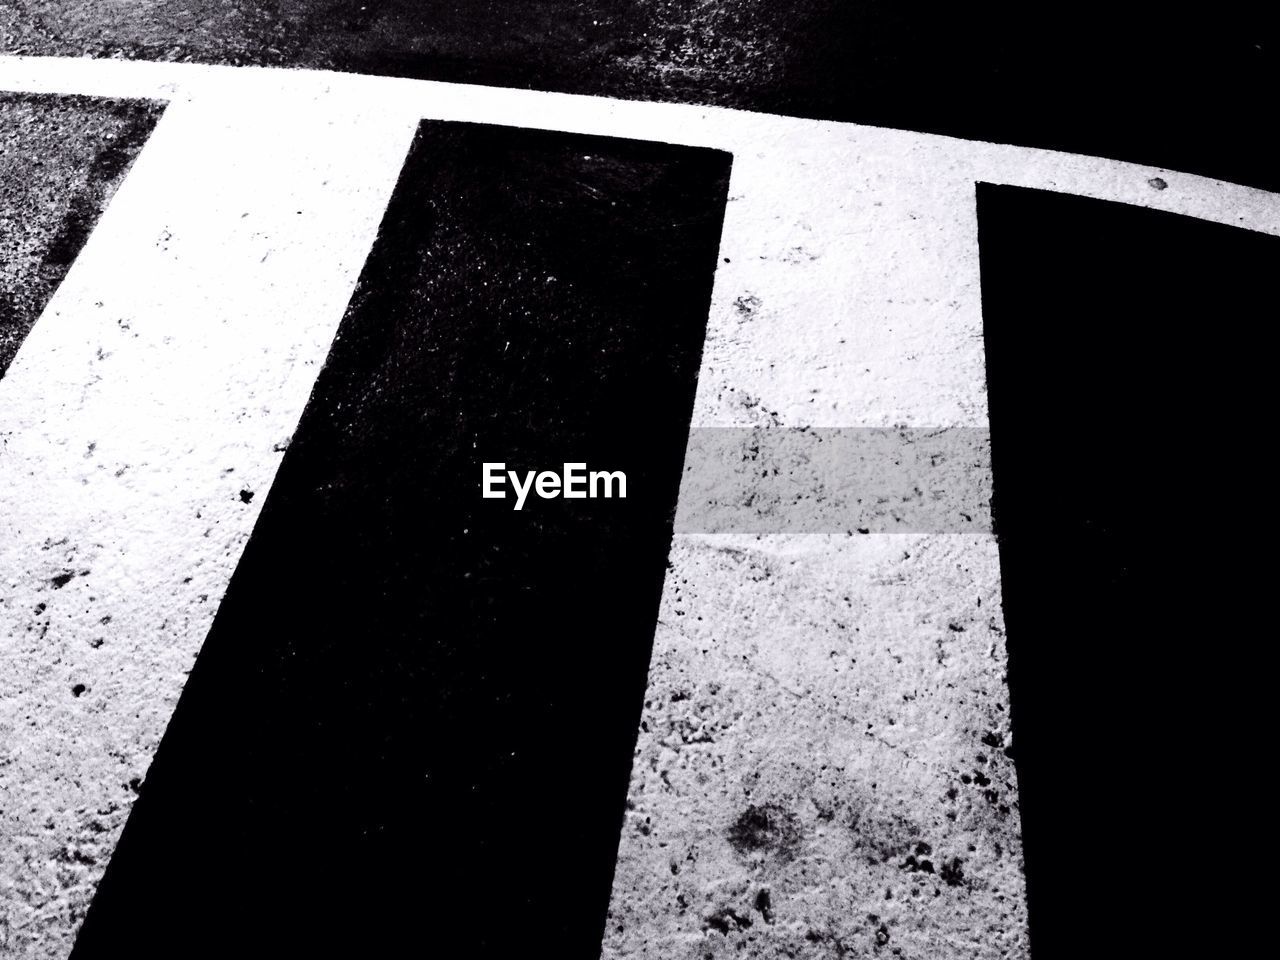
(812, 699)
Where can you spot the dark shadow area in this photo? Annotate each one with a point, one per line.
(61, 159)
(1126, 383)
(410, 730)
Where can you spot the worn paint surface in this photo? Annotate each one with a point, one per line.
(847, 296)
(61, 159)
(1106, 79)
(446, 654)
(821, 767)
(141, 420)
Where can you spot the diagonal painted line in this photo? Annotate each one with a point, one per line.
(61, 159)
(531, 296)
(163, 380)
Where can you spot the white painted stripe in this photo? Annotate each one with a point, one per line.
(184, 340)
(861, 242)
(164, 377)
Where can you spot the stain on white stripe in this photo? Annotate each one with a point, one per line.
(847, 296)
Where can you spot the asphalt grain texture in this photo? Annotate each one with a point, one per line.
(61, 159)
(1120, 80)
(415, 702)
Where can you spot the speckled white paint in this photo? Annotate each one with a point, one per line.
(186, 337)
(165, 376)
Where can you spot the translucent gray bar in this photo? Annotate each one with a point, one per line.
(836, 480)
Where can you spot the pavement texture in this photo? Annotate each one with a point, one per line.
(527, 289)
(822, 765)
(61, 159)
(142, 477)
(1106, 79)
(821, 769)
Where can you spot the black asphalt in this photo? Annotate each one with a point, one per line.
(1191, 90)
(1126, 379)
(410, 729)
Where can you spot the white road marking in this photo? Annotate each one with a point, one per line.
(165, 376)
(175, 358)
